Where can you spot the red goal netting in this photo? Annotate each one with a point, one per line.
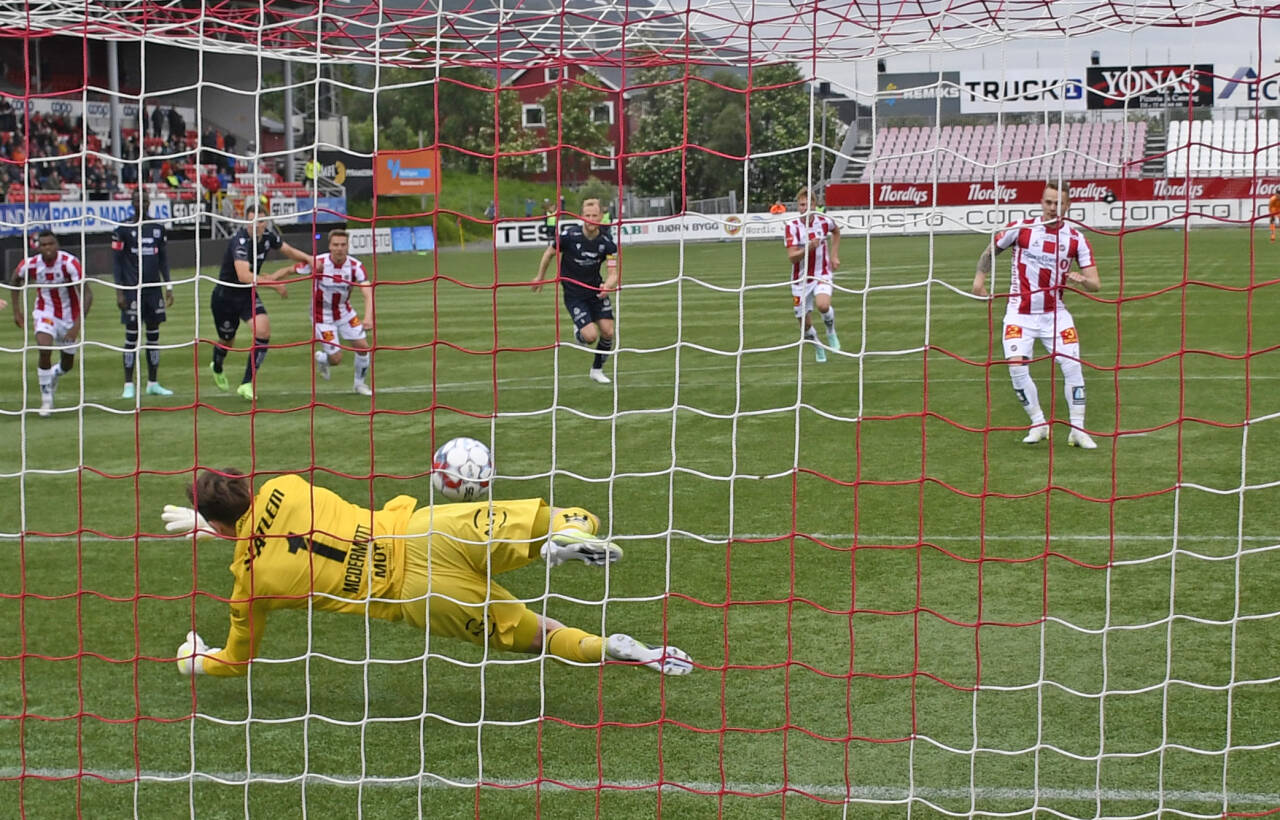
(894, 606)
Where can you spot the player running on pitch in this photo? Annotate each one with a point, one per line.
(813, 248)
(583, 250)
(60, 307)
(1043, 251)
(298, 546)
(236, 297)
(333, 275)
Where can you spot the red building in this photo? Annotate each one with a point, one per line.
(533, 85)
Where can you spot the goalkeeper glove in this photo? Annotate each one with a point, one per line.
(184, 520)
(189, 660)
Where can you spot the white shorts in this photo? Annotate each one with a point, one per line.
(1056, 331)
(802, 293)
(43, 321)
(349, 328)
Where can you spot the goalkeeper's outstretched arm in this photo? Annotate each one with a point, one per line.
(247, 625)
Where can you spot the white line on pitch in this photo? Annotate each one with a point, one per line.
(828, 791)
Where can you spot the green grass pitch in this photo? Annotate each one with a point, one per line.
(1125, 662)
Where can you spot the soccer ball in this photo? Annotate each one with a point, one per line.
(462, 469)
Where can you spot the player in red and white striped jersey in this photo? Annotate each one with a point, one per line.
(813, 248)
(1043, 252)
(333, 275)
(63, 297)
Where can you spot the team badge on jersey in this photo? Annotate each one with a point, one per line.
(1069, 336)
(1013, 332)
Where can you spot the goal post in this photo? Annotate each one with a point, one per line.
(903, 594)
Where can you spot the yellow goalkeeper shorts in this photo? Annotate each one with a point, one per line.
(448, 574)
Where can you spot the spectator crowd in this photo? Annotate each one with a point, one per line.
(57, 158)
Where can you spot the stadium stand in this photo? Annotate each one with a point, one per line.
(960, 153)
(1223, 147)
(45, 165)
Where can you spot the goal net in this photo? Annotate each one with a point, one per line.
(895, 606)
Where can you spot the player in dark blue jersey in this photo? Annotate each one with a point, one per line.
(583, 250)
(141, 258)
(236, 297)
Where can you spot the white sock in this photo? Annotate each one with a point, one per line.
(829, 319)
(1024, 387)
(1075, 403)
(811, 333)
(321, 356)
(57, 369)
(45, 377)
(362, 367)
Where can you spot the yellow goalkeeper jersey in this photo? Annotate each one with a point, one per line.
(301, 545)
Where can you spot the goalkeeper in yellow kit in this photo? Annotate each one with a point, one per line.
(298, 545)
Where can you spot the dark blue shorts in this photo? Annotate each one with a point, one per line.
(150, 303)
(230, 308)
(587, 309)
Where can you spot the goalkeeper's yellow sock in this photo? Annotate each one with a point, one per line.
(575, 645)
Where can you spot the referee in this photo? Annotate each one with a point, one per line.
(236, 297)
(141, 257)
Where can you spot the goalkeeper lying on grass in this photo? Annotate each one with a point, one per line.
(298, 545)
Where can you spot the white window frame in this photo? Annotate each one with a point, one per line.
(608, 104)
(555, 74)
(542, 156)
(598, 164)
(524, 115)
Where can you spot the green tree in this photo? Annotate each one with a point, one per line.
(716, 111)
(407, 105)
(783, 116)
(710, 163)
(718, 125)
(515, 141)
(569, 111)
(659, 134)
(466, 101)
